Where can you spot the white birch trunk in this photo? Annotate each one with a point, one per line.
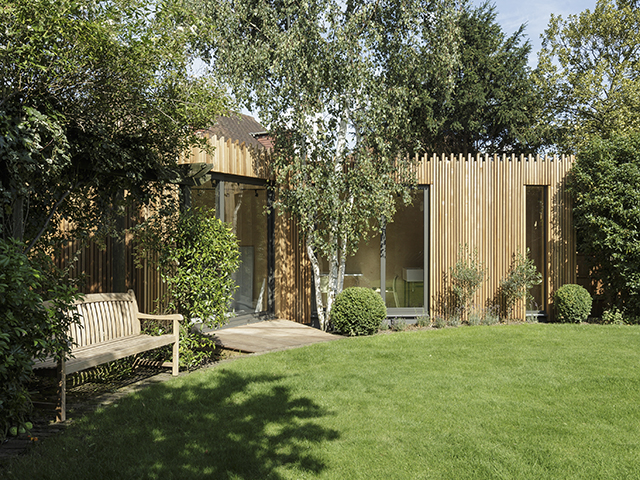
(315, 266)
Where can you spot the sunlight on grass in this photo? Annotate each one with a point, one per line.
(524, 401)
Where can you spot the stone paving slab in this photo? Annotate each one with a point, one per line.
(270, 335)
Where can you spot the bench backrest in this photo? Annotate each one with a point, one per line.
(104, 317)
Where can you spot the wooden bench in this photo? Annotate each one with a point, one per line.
(109, 329)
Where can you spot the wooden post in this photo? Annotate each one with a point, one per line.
(119, 265)
(61, 405)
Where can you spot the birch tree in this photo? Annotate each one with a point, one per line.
(329, 80)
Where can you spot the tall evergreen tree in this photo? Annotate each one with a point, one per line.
(493, 106)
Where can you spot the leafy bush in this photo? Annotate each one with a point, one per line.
(466, 277)
(399, 325)
(196, 254)
(358, 311)
(605, 185)
(27, 329)
(613, 316)
(423, 321)
(515, 286)
(439, 321)
(573, 303)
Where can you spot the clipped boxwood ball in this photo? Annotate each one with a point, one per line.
(573, 303)
(358, 311)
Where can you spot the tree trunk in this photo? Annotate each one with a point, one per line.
(316, 281)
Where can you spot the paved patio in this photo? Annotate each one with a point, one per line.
(270, 335)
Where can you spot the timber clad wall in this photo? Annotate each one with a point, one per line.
(474, 201)
(94, 264)
(480, 202)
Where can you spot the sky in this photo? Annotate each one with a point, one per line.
(535, 14)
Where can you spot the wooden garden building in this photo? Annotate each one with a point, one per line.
(497, 206)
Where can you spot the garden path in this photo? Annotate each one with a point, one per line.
(270, 335)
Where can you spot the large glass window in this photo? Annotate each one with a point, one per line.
(399, 257)
(536, 232)
(404, 272)
(243, 207)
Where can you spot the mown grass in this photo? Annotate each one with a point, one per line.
(513, 402)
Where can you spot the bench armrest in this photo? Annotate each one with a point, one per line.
(176, 317)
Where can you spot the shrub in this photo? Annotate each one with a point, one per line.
(423, 321)
(358, 311)
(613, 316)
(399, 325)
(439, 321)
(466, 277)
(27, 329)
(573, 303)
(196, 255)
(522, 276)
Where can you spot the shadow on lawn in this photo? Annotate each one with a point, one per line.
(227, 425)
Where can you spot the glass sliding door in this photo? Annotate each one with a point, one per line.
(395, 264)
(536, 242)
(404, 265)
(242, 206)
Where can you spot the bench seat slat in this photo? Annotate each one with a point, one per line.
(97, 354)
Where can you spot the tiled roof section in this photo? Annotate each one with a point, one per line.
(239, 128)
(265, 140)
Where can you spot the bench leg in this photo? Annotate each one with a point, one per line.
(176, 358)
(61, 407)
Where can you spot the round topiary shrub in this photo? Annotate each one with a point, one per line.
(358, 311)
(573, 303)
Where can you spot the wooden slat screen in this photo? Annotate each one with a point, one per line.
(480, 202)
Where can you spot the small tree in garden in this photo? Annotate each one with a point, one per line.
(466, 277)
(515, 287)
(332, 83)
(196, 254)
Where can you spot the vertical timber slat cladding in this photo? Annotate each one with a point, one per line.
(480, 202)
(474, 201)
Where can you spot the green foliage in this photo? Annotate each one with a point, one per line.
(358, 311)
(605, 185)
(96, 99)
(466, 277)
(27, 329)
(572, 303)
(399, 325)
(494, 104)
(196, 254)
(613, 316)
(439, 321)
(588, 73)
(423, 321)
(328, 80)
(516, 285)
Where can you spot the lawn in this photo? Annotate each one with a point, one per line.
(513, 402)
